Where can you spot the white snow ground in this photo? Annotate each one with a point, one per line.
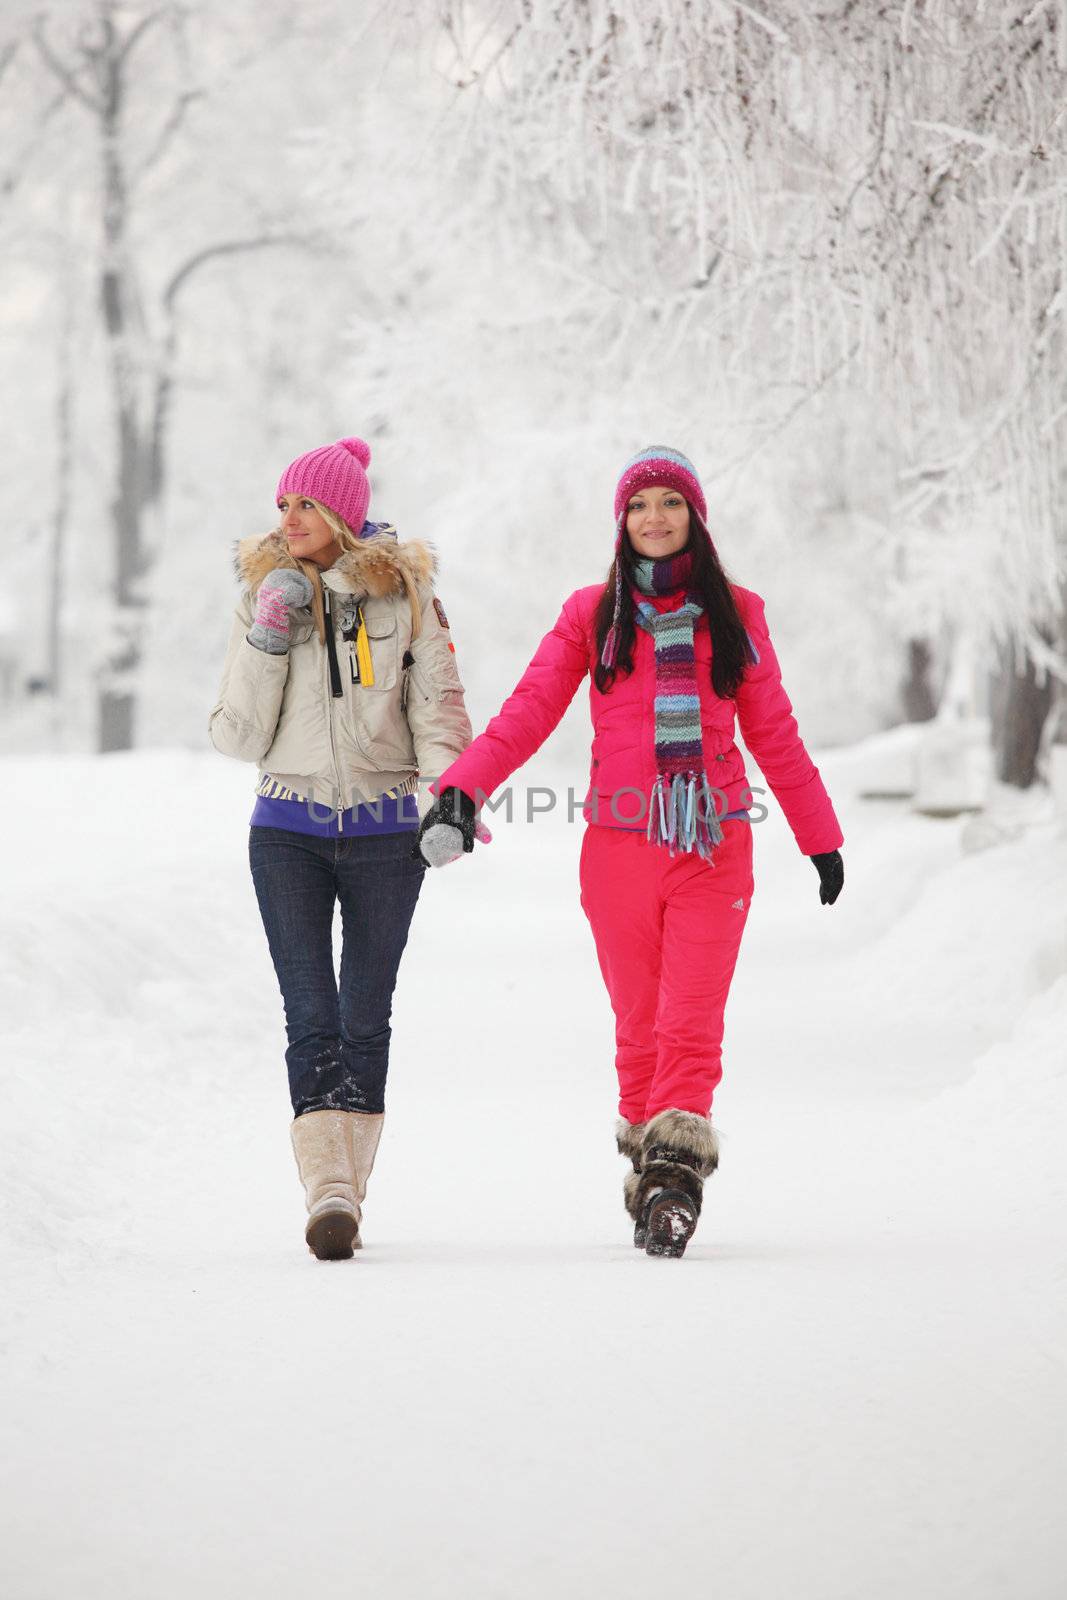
(852, 1386)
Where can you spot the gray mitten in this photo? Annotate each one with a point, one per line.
(280, 590)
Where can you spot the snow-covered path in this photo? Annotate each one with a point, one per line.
(853, 1385)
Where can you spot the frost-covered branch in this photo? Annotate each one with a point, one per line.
(21, 164)
(213, 252)
(8, 52)
(60, 70)
(136, 34)
(864, 183)
(175, 118)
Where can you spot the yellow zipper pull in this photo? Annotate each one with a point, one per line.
(364, 662)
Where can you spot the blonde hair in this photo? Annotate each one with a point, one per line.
(347, 541)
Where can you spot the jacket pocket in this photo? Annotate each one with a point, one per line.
(384, 644)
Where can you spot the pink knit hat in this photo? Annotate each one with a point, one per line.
(660, 465)
(334, 476)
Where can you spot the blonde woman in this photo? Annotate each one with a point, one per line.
(341, 683)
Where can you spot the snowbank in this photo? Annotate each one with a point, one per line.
(850, 1385)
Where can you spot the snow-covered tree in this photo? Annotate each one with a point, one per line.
(123, 84)
(789, 204)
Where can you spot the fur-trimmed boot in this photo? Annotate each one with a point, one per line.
(679, 1149)
(335, 1153)
(628, 1141)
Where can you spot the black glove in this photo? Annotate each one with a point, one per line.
(831, 870)
(447, 829)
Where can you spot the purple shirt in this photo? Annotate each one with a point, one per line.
(277, 807)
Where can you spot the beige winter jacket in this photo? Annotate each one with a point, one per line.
(279, 711)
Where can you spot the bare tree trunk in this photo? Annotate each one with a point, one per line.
(118, 302)
(64, 467)
(1056, 726)
(140, 359)
(1021, 705)
(1055, 753)
(1058, 714)
(917, 689)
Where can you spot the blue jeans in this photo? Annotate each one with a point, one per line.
(338, 1054)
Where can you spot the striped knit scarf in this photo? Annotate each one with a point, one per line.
(682, 806)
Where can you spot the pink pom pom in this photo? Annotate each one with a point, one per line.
(358, 448)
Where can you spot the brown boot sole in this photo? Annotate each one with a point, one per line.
(670, 1224)
(333, 1237)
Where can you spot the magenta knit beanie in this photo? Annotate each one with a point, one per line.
(334, 476)
(661, 465)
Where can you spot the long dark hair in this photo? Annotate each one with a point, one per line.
(730, 653)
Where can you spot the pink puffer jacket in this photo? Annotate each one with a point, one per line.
(623, 769)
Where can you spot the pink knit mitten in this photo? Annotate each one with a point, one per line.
(279, 591)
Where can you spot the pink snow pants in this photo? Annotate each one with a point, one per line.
(667, 934)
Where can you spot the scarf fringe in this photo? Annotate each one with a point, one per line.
(682, 814)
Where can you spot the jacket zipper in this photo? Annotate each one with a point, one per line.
(331, 676)
(333, 684)
(336, 688)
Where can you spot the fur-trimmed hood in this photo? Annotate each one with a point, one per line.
(379, 566)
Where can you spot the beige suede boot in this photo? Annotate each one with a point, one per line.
(322, 1145)
(364, 1132)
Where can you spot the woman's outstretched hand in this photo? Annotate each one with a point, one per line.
(831, 870)
(448, 829)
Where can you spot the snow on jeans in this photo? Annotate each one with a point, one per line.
(338, 1054)
(667, 933)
